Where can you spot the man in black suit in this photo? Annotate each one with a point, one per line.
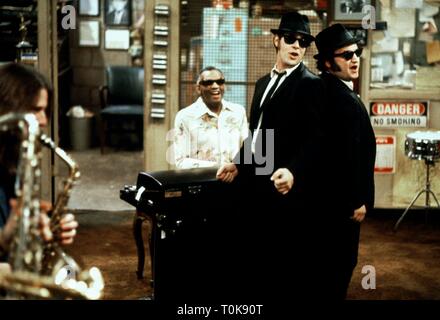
(119, 14)
(352, 6)
(285, 128)
(352, 151)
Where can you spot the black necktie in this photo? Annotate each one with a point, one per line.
(272, 89)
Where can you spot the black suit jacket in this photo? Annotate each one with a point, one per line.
(124, 20)
(293, 113)
(269, 225)
(351, 147)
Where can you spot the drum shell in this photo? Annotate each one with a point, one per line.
(419, 148)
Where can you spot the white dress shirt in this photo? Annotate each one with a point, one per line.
(349, 84)
(203, 138)
(273, 77)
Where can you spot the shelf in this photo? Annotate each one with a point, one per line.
(402, 94)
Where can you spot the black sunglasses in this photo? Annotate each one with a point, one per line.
(348, 55)
(290, 38)
(207, 83)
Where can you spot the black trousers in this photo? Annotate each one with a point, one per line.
(339, 257)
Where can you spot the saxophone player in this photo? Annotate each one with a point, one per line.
(23, 90)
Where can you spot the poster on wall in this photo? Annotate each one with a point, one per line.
(349, 10)
(89, 33)
(117, 12)
(399, 114)
(117, 39)
(385, 154)
(225, 46)
(89, 7)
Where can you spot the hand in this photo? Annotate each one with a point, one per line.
(283, 180)
(68, 228)
(68, 224)
(43, 223)
(44, 226)
(359, 214)
(227, 172)
(46, 233)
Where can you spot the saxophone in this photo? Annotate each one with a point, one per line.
(54, 258)
(26, 248)
(55, 262)
(39, 268)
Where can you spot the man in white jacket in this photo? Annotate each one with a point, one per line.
(209, 132)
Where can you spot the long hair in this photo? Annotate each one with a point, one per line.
(20, 87)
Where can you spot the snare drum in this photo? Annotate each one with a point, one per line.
(421, 145)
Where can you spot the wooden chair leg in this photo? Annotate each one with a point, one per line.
(137, 233)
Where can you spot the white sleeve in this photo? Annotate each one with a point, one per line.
(244, 129)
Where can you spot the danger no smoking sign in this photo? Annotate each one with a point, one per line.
(399, 114)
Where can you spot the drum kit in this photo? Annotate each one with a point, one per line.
(422, 145)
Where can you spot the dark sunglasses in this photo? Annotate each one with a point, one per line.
(291, 38)
(207, 83)
(348, 55)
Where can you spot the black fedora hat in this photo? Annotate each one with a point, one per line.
(294, 22)
(332, 38)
